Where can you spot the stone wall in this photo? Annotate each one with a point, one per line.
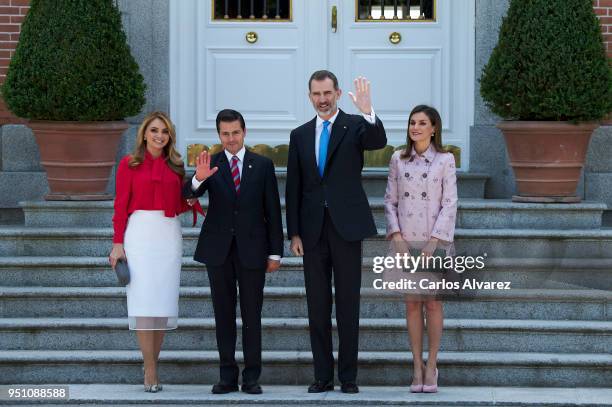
(146, 23)
(12, 13)
(487, 142)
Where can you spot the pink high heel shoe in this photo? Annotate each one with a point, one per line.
(431, 388)
(417, 388)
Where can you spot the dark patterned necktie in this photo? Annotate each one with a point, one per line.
(236, 174)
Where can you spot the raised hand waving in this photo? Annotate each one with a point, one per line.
(361, 98)
(203, 170)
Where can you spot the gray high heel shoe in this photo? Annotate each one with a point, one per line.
(152, 388)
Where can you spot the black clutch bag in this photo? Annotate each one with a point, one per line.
(123, 272)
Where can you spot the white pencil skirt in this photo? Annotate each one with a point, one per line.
(153, 245)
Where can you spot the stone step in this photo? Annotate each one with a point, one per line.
(294, 367)
(519, 243)
(469, 184)
(496, 243)
(290, 302)
(471, 214)
(291, 334)
(284, 396)
(28, 271)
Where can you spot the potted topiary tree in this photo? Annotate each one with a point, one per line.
(73, 77)
(550, 79)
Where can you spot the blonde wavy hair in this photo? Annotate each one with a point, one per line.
(173, 158)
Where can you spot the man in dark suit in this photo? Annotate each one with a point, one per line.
(328, 216)
(241, 239)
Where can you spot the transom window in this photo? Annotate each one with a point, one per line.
(395, 10)
(252, 10)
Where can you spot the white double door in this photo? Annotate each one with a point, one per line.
(213, 66)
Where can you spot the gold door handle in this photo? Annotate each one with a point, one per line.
(395, 38)
(251, 37)
(334, 22)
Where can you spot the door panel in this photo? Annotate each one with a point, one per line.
(413, 71)
(260, 77)
(214, 66)
(393, 90)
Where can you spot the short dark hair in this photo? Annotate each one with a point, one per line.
(230, 115)
(322, 75)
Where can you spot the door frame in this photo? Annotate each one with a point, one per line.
(183, 38)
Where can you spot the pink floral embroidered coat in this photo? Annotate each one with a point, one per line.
(421, 197)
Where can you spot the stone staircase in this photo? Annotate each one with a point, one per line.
(62, 317)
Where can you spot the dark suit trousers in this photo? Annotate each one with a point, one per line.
(333, 255)
(251, 282)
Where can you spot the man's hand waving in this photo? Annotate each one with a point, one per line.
(361, 98)
(203, 170)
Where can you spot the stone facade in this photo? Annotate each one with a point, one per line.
(487, 142)
(147, 26)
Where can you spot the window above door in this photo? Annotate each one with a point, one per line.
(252, 10)
(395, 10)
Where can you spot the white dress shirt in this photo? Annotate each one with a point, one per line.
(370, 118)
(195, 184)
(240, 155)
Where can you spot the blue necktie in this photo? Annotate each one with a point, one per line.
(323, 143)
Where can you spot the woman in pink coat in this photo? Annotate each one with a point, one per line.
(421, 208)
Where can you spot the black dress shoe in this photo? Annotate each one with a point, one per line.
(224, 388)
(320, 386)
(251, 388)
(349, 388)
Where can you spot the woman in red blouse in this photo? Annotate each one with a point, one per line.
(148, 234)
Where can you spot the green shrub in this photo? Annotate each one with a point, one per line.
(73, 63)
(549, 63)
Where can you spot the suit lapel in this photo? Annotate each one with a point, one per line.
(339, 129)
(310, 140)
(224, 168)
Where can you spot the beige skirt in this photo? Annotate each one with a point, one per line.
(411, 276)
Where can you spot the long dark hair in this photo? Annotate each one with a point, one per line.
(436, 122)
